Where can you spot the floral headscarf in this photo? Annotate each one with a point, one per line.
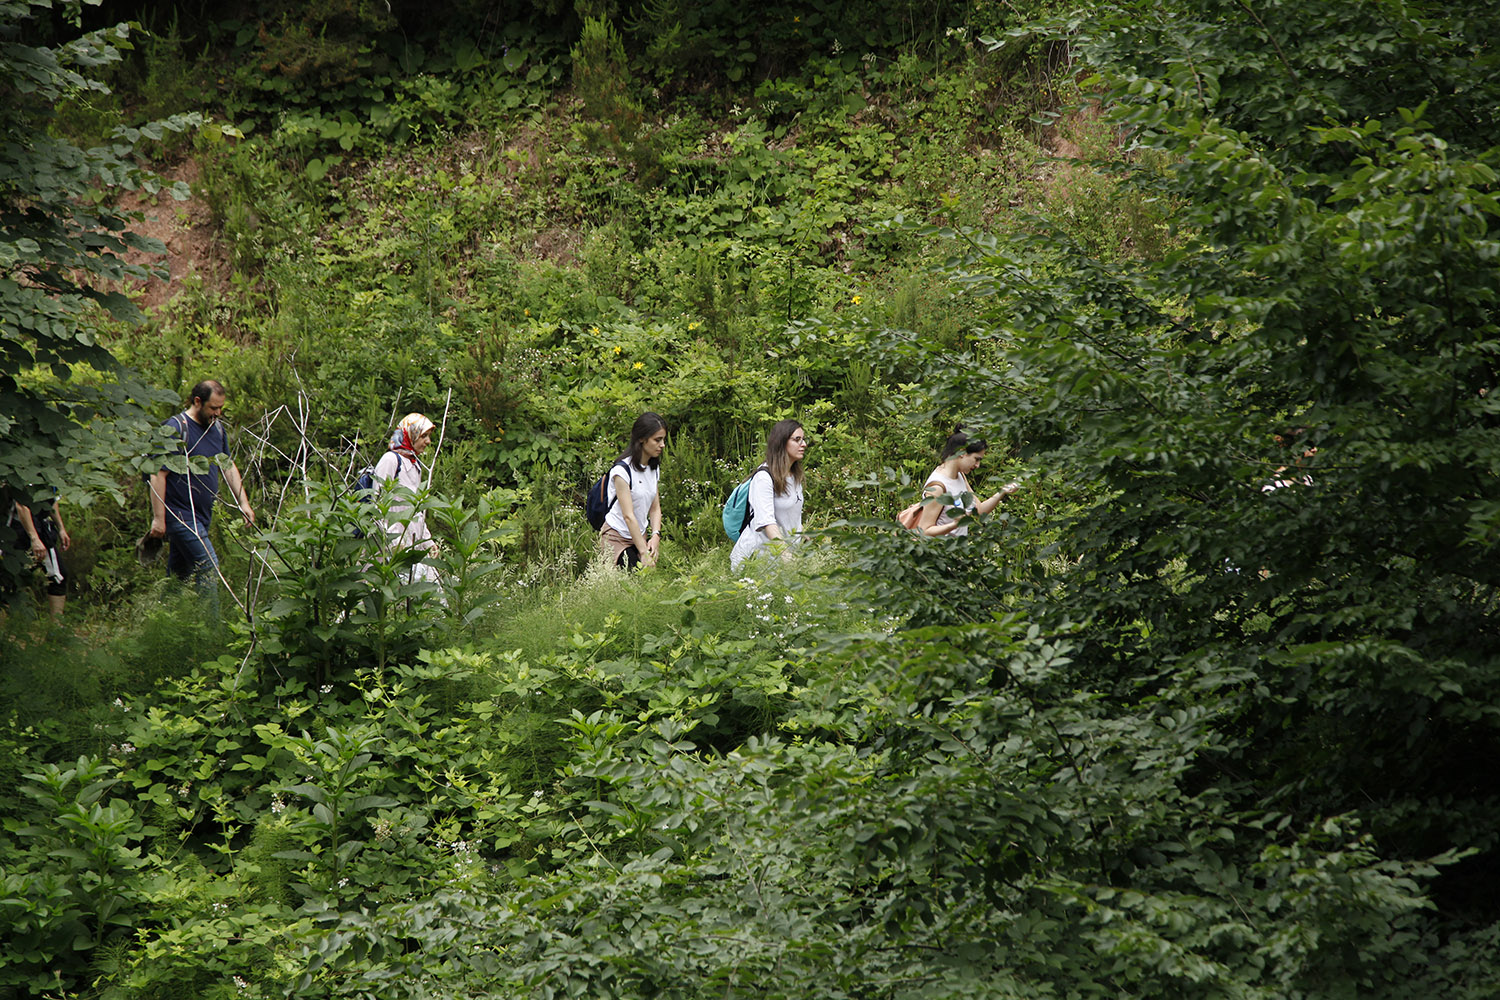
(404, 438)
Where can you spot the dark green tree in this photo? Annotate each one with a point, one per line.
(1287, 425)
(1218, 732)
(69, 412)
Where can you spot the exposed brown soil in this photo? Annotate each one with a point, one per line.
(1060, 144)
(187, 229)
(194, 247)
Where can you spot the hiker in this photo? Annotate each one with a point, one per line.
(42, 533)
(775, 496)
(182, 504)
(1293, 474)
(405, 527)
(631, 533)
(949, 501)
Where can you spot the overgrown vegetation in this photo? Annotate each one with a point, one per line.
(1155, 729)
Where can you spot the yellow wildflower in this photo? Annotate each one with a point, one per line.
(639, 364)
(618, 349)
(693, 325)
(594, 330)
(855, 299)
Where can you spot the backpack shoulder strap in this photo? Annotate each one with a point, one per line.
(395, 476)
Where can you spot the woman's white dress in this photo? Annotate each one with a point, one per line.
(404, 528)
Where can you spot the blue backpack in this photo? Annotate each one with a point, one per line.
(737, 509)
(598, 502)
(365, 488)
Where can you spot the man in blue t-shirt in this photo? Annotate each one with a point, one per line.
(182, 504)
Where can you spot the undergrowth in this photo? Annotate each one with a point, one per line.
(417, 223)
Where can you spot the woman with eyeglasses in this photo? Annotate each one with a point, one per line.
(775, 496)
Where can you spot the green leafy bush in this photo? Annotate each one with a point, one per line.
(69, 885)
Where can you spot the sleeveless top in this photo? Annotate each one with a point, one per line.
(963, 498)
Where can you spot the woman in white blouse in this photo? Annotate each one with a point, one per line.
(775, 495)
(636, 476)
(950, 501)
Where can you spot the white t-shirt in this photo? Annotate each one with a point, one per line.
(962, 499)
(643, 487)
(766, 508)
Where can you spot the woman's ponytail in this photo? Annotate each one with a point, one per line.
(959, 441)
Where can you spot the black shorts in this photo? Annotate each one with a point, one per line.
(47, 531)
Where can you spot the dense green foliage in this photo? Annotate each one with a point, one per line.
(64, 245)
(1195, 715)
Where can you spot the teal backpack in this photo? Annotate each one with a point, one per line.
(737, 511)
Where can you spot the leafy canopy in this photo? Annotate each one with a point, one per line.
(67, 409)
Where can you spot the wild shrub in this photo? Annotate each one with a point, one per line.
(602, 78)
(69, 885)
(344, 599)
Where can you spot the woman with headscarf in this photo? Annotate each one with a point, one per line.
(406, 527)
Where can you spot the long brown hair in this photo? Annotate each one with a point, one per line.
(780, 467)
(646, 425)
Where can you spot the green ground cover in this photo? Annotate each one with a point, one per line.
(1149, 731)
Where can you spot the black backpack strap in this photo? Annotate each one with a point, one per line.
(629, 479)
